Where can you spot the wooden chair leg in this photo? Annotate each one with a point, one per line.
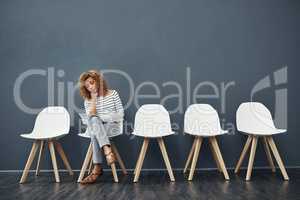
(215, 157)
(114, 172)
(63, 157)
(245, 149)
(39, 158)
(137, 162)
(195, 156)
(54, 162)
(29, 161)
(188, 161)
(141, 160)
(251, 158)
(86, 161)
(166, 158)
(119, 159)
(90, 165)
(216, 148)
(268, 152)
(278, 158)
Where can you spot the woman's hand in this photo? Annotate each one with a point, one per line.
(94, 96)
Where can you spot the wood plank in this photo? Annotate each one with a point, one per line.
(241, 159)
(54, 162)
(166, 158)
(114, 172)
(29, 161)
(119, 159)
(39, 158)
(251, 158)
(140, 162)
(278, 158)
(215, 157)
(268, 153)
(195, 157)
(86, 161)
(63, 157)
(190, 156)
(216, 148)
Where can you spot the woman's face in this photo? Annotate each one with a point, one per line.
(90, 85)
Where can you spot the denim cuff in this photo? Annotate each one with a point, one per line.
(90, 117)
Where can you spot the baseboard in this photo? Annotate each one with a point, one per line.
(149, 169)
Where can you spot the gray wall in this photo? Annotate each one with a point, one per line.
(220, 41)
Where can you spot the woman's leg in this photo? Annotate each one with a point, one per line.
(97, 155)
(99, 132)
(97, 160)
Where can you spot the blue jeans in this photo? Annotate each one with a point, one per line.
(98, 132)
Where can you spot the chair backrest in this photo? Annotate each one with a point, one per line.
(152, 120)
(51, 121)
(201, 119)
(254, 117)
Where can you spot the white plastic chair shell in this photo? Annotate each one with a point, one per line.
(51, 122)
(84, 119)
(255, 118)
(202, 120)
(152, 120)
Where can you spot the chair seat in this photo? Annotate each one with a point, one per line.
(85, 135)
(222, 132)
(264, 133)
(43, 137)
(151, 135)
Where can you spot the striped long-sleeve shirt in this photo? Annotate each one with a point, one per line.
(109, 108)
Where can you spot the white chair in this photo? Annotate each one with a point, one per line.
(152, 121)
(255, 120)
(202, 121)
(51, 124)
(88, 162)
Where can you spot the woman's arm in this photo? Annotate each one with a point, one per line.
(90, 109)
(119, 114)
(112, 117)
(93, 106)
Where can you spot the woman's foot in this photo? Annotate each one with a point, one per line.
(92, 177)
(110, 156)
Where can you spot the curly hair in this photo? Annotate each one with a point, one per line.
(101, 84)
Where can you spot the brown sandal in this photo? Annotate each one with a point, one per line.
(110, 158)
(92, 177)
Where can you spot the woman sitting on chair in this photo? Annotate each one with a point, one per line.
(105, 111)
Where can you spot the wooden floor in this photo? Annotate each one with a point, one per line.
(154, 185)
